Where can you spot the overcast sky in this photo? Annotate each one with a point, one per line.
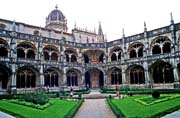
(113, 14)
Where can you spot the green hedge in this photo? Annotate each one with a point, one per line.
(133, 109)
(6, 96)
(30, 104)
(72, 112)
(139, 91)
(114, 108)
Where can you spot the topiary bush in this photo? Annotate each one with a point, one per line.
(155, 94)
(36, 98)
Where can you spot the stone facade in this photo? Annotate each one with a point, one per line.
(33, 57)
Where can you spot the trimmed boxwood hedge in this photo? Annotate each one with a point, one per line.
(73, 111)
(114, 108)
(139, 91)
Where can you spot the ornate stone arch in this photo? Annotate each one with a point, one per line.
(53, 77)
(5, 73)
(73, 77)
(51, 52)
(4, 47)
(162, 72)
(26, 49)
(114, 76)
(135, 74)
(161, 44)
(115, 53)
(71, 55)
(135, 49)
(27, 77)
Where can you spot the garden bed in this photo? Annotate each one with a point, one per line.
(30, 104)
(59, 108)
(150, 100)
(130, 108)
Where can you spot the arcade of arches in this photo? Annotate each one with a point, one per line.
(28, 77)
(160, 72)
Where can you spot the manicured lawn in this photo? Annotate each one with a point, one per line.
(58, 110)
(131, 108)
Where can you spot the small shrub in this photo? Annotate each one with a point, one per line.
(110, 97)
(6, 96)
(155, 94)
(57, 95)
(79, 96)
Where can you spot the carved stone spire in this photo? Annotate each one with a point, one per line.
(75, 25)
(100, 32)
(123, 34)
(172, 20)
(145, 28)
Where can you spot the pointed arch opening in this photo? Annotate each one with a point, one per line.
(72, 76)
(132, 54)
(51, 78)
(113, 57)
(162, 72)
(26, 77)
(137, 75)
(3, 48)
(156, 49)
(116, 76)
(50, 52)
(94, 78)
(4, 75)
(86, 58)
(26, 50)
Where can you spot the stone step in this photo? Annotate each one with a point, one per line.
(97, 96)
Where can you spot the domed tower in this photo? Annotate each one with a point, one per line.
(56, 20)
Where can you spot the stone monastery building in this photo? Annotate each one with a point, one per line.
(33, 57)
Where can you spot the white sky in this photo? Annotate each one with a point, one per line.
(113, 14)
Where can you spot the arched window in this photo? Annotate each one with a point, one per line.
(116, 77)
(137, 75)
(156, 49)
(3, 78)
(71, 55)
(161, 45)
(115, 54)
(26, 50)
(51, 78)
(3, 48)
(101, 60)
(73, 58)
(166, 47)
(162, 72)
(86, 59)
(26, 78)
(113, 57)
(50, 53)
(72, 78)
(140, 52)
(132, 54)
(136, 50)
(54, 56)
(31, 54)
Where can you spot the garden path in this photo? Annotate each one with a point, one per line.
(95, 108)
(4, 115)
(175, 114)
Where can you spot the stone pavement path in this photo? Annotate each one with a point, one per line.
(95, 108)
(175, 114)
(4, 115)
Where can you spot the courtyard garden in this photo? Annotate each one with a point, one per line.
(145, 106)
(40, 104)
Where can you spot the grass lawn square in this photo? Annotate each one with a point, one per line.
(58, 109)
(131, 108)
